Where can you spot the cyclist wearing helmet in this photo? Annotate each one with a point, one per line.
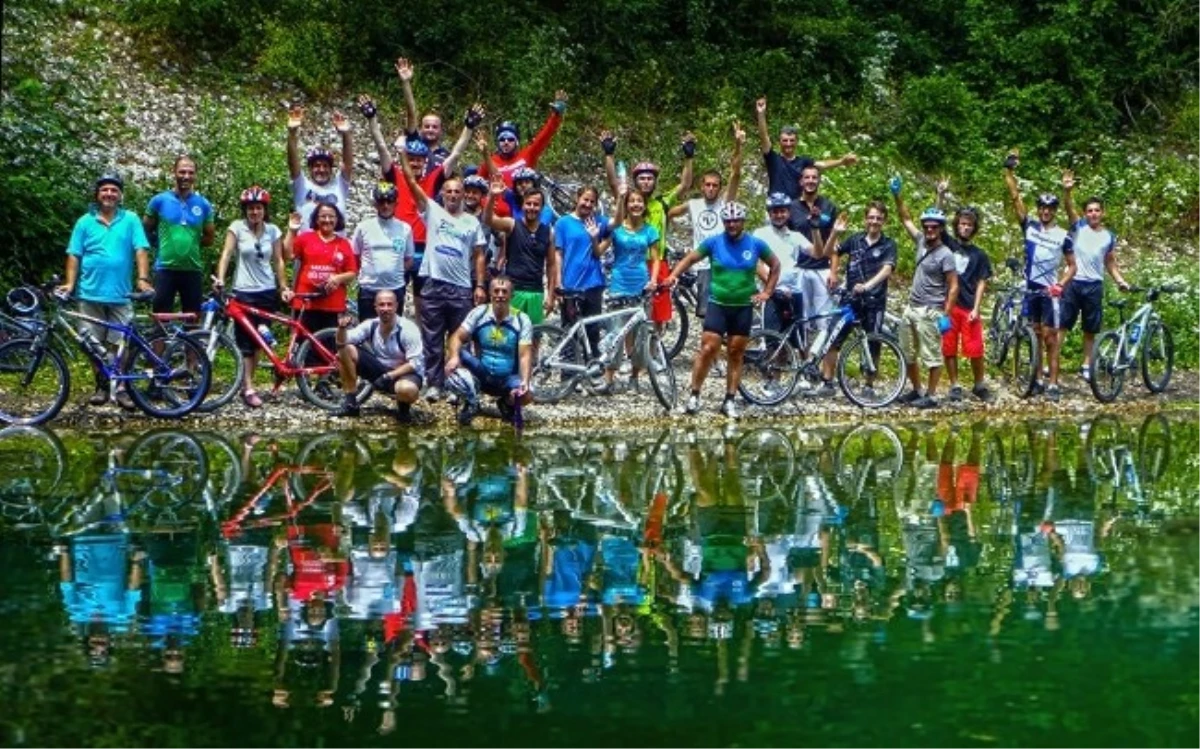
(735, 257)
(1047, 245)
(703, 212)
(787, 245)
(428, 129)
(510, 156)
(475, 194)
(384, 247)
(182, 220)
(524, 181)
(104, 246)
(974, 269)
(1084, 295)
(416, 154)
(783, 169)
(934, 289)
(257, 247)
(321, 180)
(645, 182)
(526, 258)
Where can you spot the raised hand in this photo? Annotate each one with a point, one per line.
(341, 122)
(608, 142)
(295, 117)
(474, 116)
(481, 142)
(1068, 179)
(850, 159)
(591, 227)
(366, 105)
(895, 184)
(942, 185)
(560, 101)
(688, 144)
(841, 223)
(1013, 160)
(760, 106)
(404, 69)
(497, 187)
(739, 133)
(294, 221)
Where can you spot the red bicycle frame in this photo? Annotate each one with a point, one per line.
(239, 312)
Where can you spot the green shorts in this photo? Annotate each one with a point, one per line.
(529, 302)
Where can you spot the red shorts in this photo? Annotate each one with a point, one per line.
(971, 334)
(660, 307)
(957, 494)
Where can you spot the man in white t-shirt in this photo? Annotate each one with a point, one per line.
(321, 181)
(386, 351)
(703, 213)
(384, 247)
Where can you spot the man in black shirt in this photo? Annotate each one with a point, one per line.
(974, 270)
(783, 169)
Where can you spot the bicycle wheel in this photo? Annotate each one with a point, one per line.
(770, 369)
(664, 472)
(767, 463)
(343, 458)
(660, 368)
(321, 385)
(867, 449)
(166, 467)
(32, 461)
(675, 332)
(228, 368)
(871, 370)
(34, 383)
(1108, 373)
(1154, 447)
(1158, 356)
(224, 469)
(1105, 440)
(547, 382)
(997, 334)
(171, 384)
(1024, 361)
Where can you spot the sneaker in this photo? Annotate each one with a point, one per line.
(1086, 373)
(452, 398)
(825, 390)
(909, 398)
(404, 413)
(956, 393)
(729, 409)
(626, 367)
(1053, 393)
(634, 385)
(868, 393)
(981, 392)
(925, 402)
(349, 407)
(1038, 388)
(692, 405)
(804, 386)
(99, 398)
(125, 401)
(467, 412)
(433, 394)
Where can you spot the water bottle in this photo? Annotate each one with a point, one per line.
(92, 345)
(622, 180)
(607, 343)
(267, 336)
(1135, 332)
(208, 309)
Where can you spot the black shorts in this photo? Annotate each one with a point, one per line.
(185, 283)
(869, 317)
(1041, 309)
(1084, 298)
(264, 300)
(370, 368)
(724, 320)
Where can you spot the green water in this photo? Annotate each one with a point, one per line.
(927, 584)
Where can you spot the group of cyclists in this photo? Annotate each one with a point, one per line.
(487, 259)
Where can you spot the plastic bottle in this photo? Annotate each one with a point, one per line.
(608, 342)
(208, 310)
(91, 344)
(1135, 332)
(622, 180)
(267, 336)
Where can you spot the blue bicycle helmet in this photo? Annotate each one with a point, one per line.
(416, 147)
(933, 214)
(778, 200)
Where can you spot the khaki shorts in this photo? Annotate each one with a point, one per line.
(919, 336)
(113, 313)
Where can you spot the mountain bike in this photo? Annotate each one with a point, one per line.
(1143, 337)
(35, 382)
(564, 357)
(870, 366)
(1011, 344)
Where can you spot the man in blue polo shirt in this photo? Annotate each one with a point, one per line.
(100, 258)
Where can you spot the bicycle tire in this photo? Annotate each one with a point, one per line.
(39, 459)
(224, 468)
(675, 331)
(221, 350)
(1105, 434)
(664, 471)
(323, 389)
(859, 375)
(1154, 447)
(877, 443)
(173, 453)
(330, 457)
(767, 464)
(1107, 375)
(178, 389)
(997, 333)
(1024, 368)
(20, 367)
(660, 369)
(1157, 346)
(547, 384)
(770, 356)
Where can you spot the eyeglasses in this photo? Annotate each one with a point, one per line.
(506, 139)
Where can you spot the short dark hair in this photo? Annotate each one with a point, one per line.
(1094, 199)
(879, 206)
(323, 202)
(714, 173)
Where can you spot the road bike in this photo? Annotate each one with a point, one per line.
(166, 379)
(1144, 338)
(564, 358)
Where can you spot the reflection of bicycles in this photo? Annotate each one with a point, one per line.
(254, 512)
(564, 360)
(1144, 338)
(1007, 463)
(865, 451)
(767, 464)
(35, 382)
(870, 366)
(1112, 459)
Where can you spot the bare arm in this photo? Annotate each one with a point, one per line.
(849, 159)
(760, 115)
(610, 164)
(951, 290)
(450, 165)
(735, 168)
(404, 71)
(906, 218)
(419, 196)
(1110, 264)
(1071, 268)
(1068, 183)
(208, 234)
(295, 118)
(553, 273)
(501, 224)
(223, 261)
(688, 261)
(143, 268)
(1014, 191)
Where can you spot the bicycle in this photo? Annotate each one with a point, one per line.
(35, 381)
(564, 356)
(1010, 331)
(319, 381)
(870, 366)
(1145, 337)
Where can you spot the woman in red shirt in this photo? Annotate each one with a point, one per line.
(326, 264)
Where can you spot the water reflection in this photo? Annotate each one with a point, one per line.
(366, 574)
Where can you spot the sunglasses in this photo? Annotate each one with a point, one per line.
(506, 139)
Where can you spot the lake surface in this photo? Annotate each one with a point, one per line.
(965, 584)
